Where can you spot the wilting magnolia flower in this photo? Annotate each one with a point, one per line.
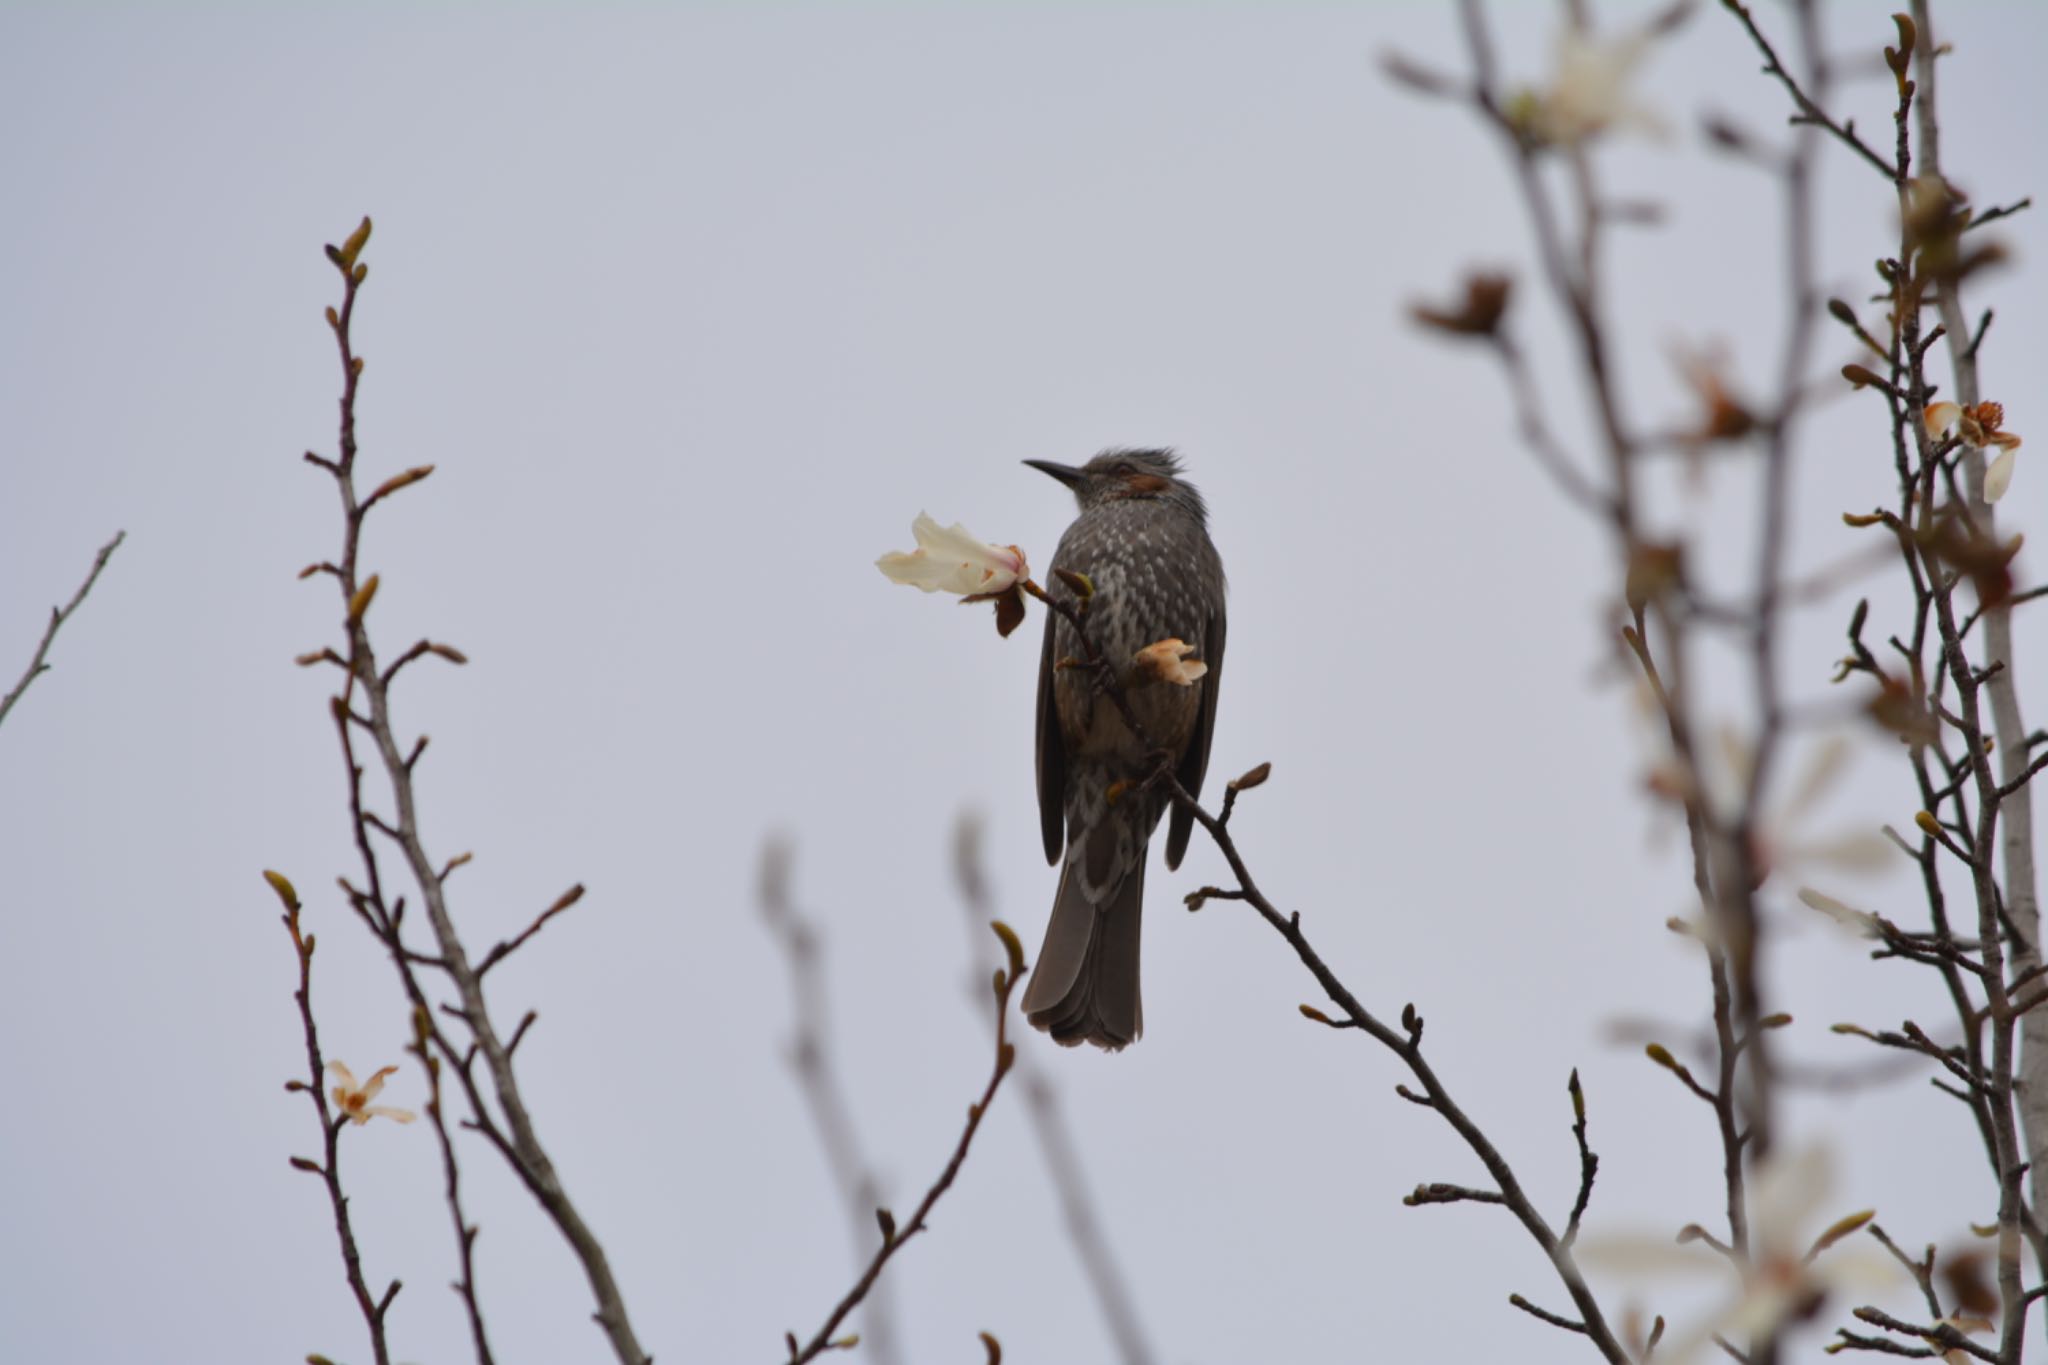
(1723, 415)
(1588, 92)
(1791, 1268)
(1479, 315)
(951, 559)
(1979, 426)
(1167, 661)
(354, 1100)
(1783, 839)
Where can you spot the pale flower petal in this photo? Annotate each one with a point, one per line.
(951, 559)
(353, 1101)
(375, 1085)
(1856, 921)
(1786, 1193)
(1999, 476)
(1861, 852)
(1829, 758)
(1626, 1254)
(1589, 90)
(1759, 1311)
(1940, 418)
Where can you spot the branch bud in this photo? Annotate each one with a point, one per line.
(1011, 947)
(357, 240)
(1661, 1055)
(1080, 584)
(398, 481)
(1256, 777)
(1838, 1230)
(283, 887)
(360, 603)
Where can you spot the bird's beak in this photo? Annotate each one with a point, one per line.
(1065, 473)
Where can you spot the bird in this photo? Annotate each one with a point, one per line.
(1142, 541)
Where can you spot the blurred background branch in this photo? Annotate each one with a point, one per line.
(810, 1057)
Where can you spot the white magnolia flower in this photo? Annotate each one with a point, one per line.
(1589, 91)
(354, 1100)
(1167, 661)
(1784, 840)
(1979, 426)
(1791, 1268)
(950, 559)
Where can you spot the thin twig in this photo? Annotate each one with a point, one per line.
(1809, 112)
(1589, 1162)
(451, 1179)
(331, 1124)
(58, 616)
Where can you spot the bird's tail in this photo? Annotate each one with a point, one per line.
(1085, 986)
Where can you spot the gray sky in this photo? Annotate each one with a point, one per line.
(695, 310)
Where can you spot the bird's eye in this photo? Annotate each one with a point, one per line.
(1124, 469)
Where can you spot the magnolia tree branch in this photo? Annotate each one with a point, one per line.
(1568, 217)
(2016, 801)
(363, 708)
(451, 1178)
(38, 666)
(1055, 1141)
(831, 1114)
(1946, 705)
(1946, 539)
(373, 1309)
(1405, 1044)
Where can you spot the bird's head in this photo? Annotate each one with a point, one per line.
(1117, 475)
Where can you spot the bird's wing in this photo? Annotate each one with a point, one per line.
(1195, 761)
(1051, 763)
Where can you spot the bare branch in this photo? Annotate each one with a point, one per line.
(58, 616)
(331, 1124)
(517, 1140)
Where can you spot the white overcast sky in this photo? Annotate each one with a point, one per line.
(694, 309)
